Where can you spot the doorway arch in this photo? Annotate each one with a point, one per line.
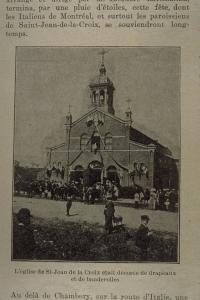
(77, 174)
(112, 174)
(95, 171)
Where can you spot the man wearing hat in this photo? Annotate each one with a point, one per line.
(109, 212)
(71, 193)
(23, 238)
(143, 236)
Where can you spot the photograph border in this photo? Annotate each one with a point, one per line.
(178, 262)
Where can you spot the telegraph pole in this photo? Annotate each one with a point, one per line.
(129, 122)
(68, 138)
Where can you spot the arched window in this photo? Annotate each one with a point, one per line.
(102, 97)
(94, 98)
(112, 174)
(95, 141)
(77, 174)
(79, 168)
(111, 169)
(83, 141)
(108, 141)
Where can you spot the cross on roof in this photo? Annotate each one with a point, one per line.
(103, 52)
(129, 101)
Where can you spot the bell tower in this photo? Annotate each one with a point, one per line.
(129, 114)
(102, 89)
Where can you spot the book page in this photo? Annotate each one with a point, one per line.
(99, 156)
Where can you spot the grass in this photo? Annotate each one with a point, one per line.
(62, 240)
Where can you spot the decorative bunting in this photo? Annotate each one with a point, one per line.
(95, 119)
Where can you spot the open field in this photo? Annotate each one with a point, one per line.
(48, 209)
(81, 237)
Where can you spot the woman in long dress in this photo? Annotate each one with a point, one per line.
(136, 199)
(152, 199)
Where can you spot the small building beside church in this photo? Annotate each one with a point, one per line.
(100, 146)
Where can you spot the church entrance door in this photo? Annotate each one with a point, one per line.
(112, 175)
(94, 172)
(77, 174)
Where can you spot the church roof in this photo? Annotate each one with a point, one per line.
(134, 134)
(139, 137)
(98, 110)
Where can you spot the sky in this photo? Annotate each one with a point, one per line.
(48, 79)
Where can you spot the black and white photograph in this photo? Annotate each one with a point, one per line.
(96, 161)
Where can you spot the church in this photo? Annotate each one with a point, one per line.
(100, 146)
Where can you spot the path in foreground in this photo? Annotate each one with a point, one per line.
(47, 209)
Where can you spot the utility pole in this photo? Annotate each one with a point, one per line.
(68, 139)
(129, 123)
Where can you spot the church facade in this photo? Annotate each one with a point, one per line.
(100, 146)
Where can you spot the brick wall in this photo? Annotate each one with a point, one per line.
(122, 156)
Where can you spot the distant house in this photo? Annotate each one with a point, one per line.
(26, 175)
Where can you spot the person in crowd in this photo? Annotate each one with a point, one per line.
(102, 193)
(23, 237)
(93, 195)
(68, 204)
(98, 190)
(88, 195)
(143, 237)
(146, 197)
(172, 200)
(115, 192)
(70, 195)
(136, 199)
(46, 190)
(167, 201)
(109, 212)
(84, 194)
(157, 204)
(161, 199)
(53, 190)
(153, 199)
(167, 204)
(109, 192)
(141, 196)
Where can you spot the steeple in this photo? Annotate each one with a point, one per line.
(128, 113)
(69, 117)
(102, 69)
(101, 89)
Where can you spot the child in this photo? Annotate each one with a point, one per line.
(143, 236)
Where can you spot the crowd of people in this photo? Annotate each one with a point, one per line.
(58, 190)
(152, 199)
(162, 199)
